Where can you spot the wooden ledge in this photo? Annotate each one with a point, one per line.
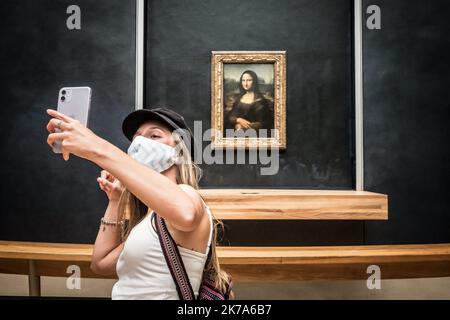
(253, 263)
(246, 255)
(46, 251)
(281, 204)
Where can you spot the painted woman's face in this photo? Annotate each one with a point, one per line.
(247, 82)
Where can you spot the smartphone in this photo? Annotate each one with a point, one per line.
(74, 102)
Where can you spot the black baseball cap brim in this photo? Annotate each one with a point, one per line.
(135, 119)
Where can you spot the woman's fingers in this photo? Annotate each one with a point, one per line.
(104, 174)
(105, 183)
(52, 137)
(108, 176)
(66, 154)
(103, 187)
(60, 116)
(102, 183)
(57, 136)
(57, 124)
(244, 123)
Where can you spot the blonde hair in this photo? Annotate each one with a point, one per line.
(133, 210)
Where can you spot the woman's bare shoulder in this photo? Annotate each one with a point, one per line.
(189, 189)
(193, 194)
(198, 201)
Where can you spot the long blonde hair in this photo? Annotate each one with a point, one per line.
(133, 210)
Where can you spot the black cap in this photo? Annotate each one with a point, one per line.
(135, 119)
(172, 119)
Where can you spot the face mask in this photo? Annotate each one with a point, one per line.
(154, 154)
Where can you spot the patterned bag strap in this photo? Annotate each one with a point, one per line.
(173, 260)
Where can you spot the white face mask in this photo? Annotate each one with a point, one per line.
(154, 154)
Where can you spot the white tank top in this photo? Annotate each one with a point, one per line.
(142, 269)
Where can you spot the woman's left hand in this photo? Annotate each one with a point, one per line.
(75, 137)
(244, 123)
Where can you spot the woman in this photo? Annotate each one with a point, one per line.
(127, 243)
(251, 110)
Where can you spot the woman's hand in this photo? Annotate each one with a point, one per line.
(76, 138)
(112, 186)
(243, 123)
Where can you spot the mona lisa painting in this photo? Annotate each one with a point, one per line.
(248, 99)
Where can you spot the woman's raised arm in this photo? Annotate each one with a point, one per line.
(184, 211)
(154, 189)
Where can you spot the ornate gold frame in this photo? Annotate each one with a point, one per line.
(218, 58)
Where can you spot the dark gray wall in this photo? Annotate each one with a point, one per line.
(406, 80)
(317, 38)
(406, 120)
(43, 197)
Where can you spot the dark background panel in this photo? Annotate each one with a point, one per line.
(43, 197)
(292, 233)
(406, 120)
(317, 38)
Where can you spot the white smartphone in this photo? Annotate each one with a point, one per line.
(74, 102)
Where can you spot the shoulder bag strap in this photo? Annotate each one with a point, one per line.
(173, 260)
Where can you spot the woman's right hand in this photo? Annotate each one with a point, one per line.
(112, 187)
(243, 123)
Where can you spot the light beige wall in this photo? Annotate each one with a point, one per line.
(433, 288)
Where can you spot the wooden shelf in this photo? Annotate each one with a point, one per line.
(282, 204)
(252, 263)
